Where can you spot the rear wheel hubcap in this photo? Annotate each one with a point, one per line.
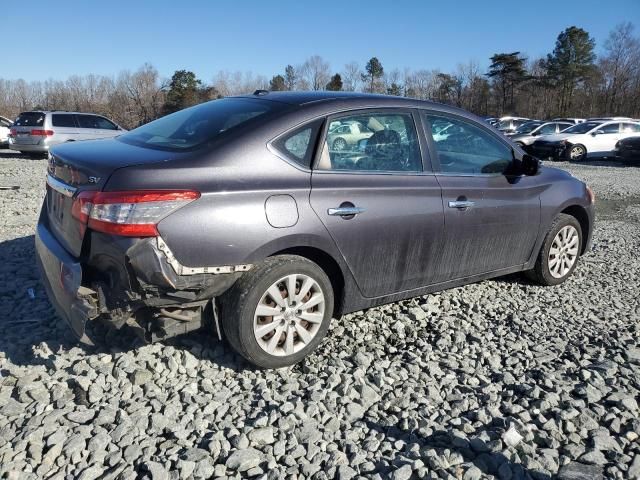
(563, 252)
(289, 315)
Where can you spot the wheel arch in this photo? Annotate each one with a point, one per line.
(580, 214)
(327, 263)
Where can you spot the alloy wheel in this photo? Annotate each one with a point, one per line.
(563, 252)
(577, 152)
(289, 315)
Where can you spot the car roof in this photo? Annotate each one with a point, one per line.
(61, 111)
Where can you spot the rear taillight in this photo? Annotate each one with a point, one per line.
(41, 133)
(130, 214)
(13, 132)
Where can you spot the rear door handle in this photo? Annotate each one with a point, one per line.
(461, 204)
(345, 211)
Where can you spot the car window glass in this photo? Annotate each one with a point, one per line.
(207, 122)
(62, 120)
(86, 121)
(298, 145)
(377, 142)
(546, 129)
(104, 124)
(610, 128)
(631, 127)
(468, 149)
(564, 126)
(30, 119)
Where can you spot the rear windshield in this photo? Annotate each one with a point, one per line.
(30, 119)
(195, 126)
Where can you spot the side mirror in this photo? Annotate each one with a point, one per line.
(529, 165)
(598, 132)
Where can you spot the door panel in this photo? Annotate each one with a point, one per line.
(394, 244)
(498, 231)
(491, 218)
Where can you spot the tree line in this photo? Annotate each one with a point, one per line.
(569, 81)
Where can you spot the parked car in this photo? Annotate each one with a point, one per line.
(608, 119)
(347, 134)
(584, 140)
(527, 133)
(627, 150)
(239, 214)
(508, 125)
(573, 121)
(34, 133)
(5, 130)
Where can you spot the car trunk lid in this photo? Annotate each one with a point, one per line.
(83, 166)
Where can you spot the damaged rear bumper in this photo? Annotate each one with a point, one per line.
(130, 281)
(62, 279)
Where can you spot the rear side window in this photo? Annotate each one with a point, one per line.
(63, 120)
(196, 126)
(375, 142)
(298, 145)
(611, 128)
(30, 119)
(631, 127)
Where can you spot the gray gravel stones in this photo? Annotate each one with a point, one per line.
(501, 379)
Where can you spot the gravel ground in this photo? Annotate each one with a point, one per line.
(500, 379)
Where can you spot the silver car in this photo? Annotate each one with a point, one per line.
(34, 133)
(526, 133)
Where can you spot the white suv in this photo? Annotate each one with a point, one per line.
(34, 133)
(588, 139)
(5, 125)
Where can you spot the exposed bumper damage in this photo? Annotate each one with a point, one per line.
(134, 282)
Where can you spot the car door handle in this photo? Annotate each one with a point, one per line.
(461, 204)
(345, 211)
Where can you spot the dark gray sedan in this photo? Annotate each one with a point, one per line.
(239, 216)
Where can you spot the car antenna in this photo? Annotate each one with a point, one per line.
(261, 92)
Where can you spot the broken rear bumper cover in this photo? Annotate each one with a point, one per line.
(152, 281)
(62, 277)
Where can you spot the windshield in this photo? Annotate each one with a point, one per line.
(585, 127)
(195, 126)
(528, 127)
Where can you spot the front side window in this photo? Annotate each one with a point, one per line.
(375, 142)
(467, 148)
(528, 127)
(104, 124)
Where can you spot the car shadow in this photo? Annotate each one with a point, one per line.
(13, 154)
(32, 333)
(475, 449)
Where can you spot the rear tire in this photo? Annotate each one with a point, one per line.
(339, 144)
(300, 330)
(559, 253)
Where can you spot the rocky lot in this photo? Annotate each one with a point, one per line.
(500, 379)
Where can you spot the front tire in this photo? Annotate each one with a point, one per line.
(266, 323)
(577, 153)
(559, 253)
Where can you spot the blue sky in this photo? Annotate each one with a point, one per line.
(79, 37)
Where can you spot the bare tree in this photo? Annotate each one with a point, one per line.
(351, 76)
(620, 66)
(315, 71)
